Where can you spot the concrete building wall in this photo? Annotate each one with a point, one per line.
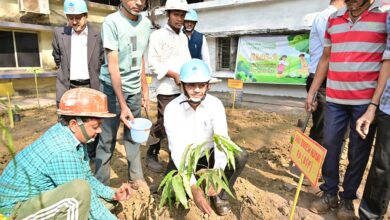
(224, 18)
(46, 50)
(16, 20)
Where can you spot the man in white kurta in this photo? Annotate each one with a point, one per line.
(168, 50)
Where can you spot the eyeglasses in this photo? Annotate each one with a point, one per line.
(196, 85)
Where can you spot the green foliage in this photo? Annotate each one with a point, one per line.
(11, 110)
(6, 138)
(179, 185)
(37, 71)
(299, 42)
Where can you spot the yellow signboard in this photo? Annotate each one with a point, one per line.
(235, 84)
(149, 79)
(308, 155)
(6, 89)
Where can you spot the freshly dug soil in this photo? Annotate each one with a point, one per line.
(265, 190)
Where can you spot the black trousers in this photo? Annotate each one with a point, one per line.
(231, 174)
(158, 127)
(377, 190)
(317, 130)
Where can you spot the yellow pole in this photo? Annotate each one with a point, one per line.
(36, 87)
(10, 113)
(296, 196)
(234, 97)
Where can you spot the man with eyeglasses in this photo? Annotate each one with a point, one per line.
(78, 53)
(193, 118)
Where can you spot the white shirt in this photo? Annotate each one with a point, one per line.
(317, 34)
(79, 57)
(167, 51)
(185, 126)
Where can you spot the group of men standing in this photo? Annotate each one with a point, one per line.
(102, 82)
(350, 75)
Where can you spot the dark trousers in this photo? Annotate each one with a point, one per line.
(317, 130)
(337, 119)
(377, 190)
(158, 127)
(230, 173)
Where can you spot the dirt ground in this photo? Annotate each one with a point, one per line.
(265, 190)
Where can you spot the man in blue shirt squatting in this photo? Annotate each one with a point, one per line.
(193, 118)
(125, 36)
(51, 178)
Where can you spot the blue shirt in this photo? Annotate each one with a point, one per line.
(317, 34)
(55, 158)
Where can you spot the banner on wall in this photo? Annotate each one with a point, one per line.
(273, 59)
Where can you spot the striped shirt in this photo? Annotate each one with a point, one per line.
(54, 159)
(356, 55)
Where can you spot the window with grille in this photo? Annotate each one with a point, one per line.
(226, 51)
(19, 49)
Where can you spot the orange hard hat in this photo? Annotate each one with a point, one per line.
(84, 102)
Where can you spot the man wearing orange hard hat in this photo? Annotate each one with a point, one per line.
(51, 178)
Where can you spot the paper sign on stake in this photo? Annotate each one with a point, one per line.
(235, 84)
(308, 155)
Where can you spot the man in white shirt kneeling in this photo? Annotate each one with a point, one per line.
(193, 118)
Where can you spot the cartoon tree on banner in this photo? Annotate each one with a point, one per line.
(299, 42)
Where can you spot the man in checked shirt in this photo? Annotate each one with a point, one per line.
(51, 178)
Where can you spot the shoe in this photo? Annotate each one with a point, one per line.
(153, 164)
(324, 203)
(346, 210)
(221, 206)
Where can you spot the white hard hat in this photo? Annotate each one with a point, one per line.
(180, 5)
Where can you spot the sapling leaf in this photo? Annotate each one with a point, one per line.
(180, 184)
(169, 191)
(180, 194)
(187, 186)
(164, 196)
(200, 179)
(232, 160)
(207, 154)
(167, 178)
(197, 154)
(225, 181)
(184, 157)
(229, 144)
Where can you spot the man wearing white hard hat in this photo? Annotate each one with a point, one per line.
(168, 51)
